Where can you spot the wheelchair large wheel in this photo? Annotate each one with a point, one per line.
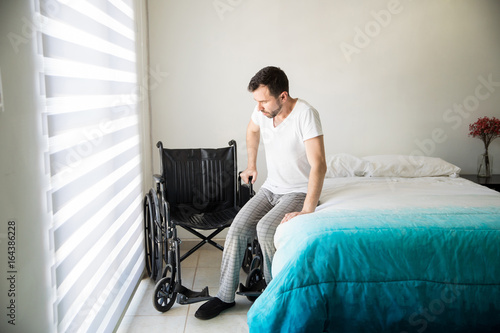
(252, 258)
(247, 259)
(255, 263)
(155, 254)
(158, 253)
(167, 237)
(148, 237)
(158, 239)
(164, 295)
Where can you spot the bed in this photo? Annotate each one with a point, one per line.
(397, 244)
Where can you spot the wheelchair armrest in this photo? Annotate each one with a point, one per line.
(158, 178)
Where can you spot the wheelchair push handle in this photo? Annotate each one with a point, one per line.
(250, 184)
(249, 178)
(245, 190)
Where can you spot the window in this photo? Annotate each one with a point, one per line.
(94, 156)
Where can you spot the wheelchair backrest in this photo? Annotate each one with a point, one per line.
(200, 180)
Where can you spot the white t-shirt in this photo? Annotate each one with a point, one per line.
(287, 165)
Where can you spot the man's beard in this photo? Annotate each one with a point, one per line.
(274, 113)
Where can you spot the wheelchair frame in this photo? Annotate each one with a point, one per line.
(162, 246)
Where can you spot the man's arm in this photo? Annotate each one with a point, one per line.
(253, 139)
(315, 150)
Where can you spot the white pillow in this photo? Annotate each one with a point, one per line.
(409, 166)
(345, 165)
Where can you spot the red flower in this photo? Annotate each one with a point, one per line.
(487, 129)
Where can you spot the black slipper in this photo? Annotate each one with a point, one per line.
(212, 308)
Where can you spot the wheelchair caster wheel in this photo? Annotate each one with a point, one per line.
(253, 278)
(164, 295)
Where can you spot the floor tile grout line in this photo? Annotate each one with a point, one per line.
(186, 320)
(192, 288)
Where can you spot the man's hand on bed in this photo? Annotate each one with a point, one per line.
(290, 216)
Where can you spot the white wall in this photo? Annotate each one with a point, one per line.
(23, 179)
(384, 90)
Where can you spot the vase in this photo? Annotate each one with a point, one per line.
(484, 165)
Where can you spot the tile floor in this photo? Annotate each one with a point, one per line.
(201, 269)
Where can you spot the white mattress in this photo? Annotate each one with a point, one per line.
(356, 193)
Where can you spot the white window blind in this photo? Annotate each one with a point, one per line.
(90, 86)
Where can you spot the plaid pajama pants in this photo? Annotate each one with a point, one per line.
(260, 217)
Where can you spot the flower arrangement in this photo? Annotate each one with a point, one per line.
(487, 129)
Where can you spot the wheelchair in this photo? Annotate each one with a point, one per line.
(197, 189)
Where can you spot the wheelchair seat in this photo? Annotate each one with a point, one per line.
(207, 221)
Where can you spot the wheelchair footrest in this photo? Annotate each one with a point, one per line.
(188, 296)
(254, 290)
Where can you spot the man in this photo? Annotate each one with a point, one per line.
(295, 156)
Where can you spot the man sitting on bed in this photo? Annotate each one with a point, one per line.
(295, 157)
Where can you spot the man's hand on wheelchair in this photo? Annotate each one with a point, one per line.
(246, 174)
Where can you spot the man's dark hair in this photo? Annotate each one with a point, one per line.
(273, 78)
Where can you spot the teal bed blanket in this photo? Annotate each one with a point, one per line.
(390, 270)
